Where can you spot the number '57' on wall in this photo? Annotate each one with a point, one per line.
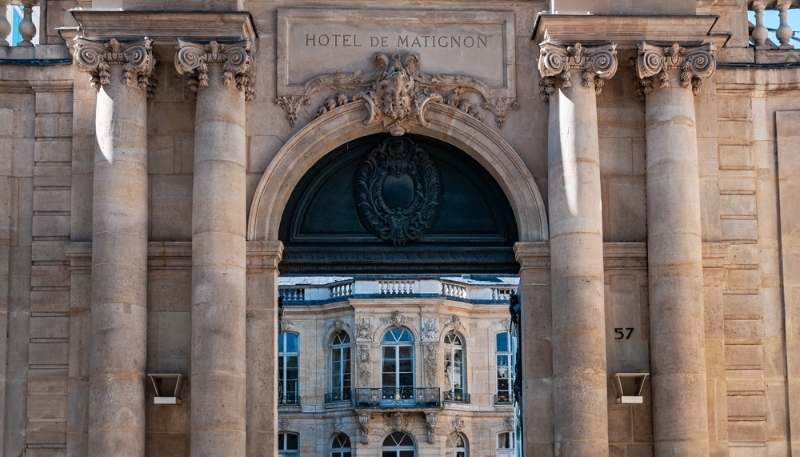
(623, 333)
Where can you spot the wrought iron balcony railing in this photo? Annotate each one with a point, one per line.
(456, 396)
(406, 397)
(504, 399)
(336, 397)
(289, 400)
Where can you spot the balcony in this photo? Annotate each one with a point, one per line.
(289, 400)
(419, 397)
(338, 397)
(456, 396)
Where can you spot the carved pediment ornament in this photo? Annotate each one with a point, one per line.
(454, 322)
(136, 57)
(396, 319)
(364, 330)
(458, 424)
(236, 60)
(693, 64)
(596, 64)
(397, 92)
(397, 421)
(398, 191)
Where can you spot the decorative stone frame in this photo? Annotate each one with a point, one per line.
(446, 123)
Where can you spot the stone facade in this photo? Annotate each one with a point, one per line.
(149, 150)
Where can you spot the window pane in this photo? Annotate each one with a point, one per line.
(291, 342)
(292, 443)
(406, 453)
(502, 342)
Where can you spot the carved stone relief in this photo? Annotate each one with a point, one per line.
(286, 326)
(693, 63)
(429, 331)
(398, 190)
(397, 92)
(283, 424)
(364, 330)
(430, 356)
(236, 60)
(363, 422)
(364, 372)
(430, 424)
(137, 60)
(337, 425)
(509, 423)
(458, 424)
(396, 319)
(596, 63)
(397, 421)
(454, 323)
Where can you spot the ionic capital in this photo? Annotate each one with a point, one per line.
(675, 66)
(595, 63)
(235, 58)
(136, 58)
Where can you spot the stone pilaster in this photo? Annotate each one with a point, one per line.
(121, 73)
(222, 76)
(668, 78)
(576, 245)
(262, 352)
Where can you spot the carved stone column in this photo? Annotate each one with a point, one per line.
(222, 76)
(121, 73)
(576, 245)
(668, 77)
(262, 352)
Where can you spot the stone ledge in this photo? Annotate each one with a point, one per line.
(625, 31)
(165, 27)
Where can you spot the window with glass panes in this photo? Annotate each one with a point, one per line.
(288, 369)
(341, 446)
(340, 367)
(505, 444)
(398, 444)
(288, 445)
(454, 367)
(505, 368)
(456, 445)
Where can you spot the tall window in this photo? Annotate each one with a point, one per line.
(288, 445)
(456, 445)
(505, 368)
(505, 444)
(398, 444)
(340, 368)
(397, 372)
(454, 368)
(341, 446)
(288, 369)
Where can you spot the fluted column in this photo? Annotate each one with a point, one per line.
(221, 74)
(668, 78)
(576, 245)
(121, 73)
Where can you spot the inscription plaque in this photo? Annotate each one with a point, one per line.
(478, 44)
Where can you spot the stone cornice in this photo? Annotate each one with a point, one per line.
(136, 58)
(164, 27)
(674, 65)
(235, 58)
(595, 63)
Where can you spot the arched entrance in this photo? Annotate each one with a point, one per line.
(286, 172)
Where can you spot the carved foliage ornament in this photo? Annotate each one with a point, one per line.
(430, 350)
(364, 373)
(429, 331)
(363, 422)
(136, 58)
(596, 63)
(692, 63)
(430, 424)
(398, 189)
(397, 421)
(236, 60)
(397, 92)
(397, 319)
(364, 330)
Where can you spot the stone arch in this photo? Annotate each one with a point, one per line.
(346, 123)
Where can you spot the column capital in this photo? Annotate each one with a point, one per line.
(235, 58)
(675, 66)
(595, 63)
(136, 57)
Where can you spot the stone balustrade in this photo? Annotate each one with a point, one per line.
(784, 32)
(318, 290)
(26, 27)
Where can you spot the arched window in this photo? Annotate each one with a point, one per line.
(340, 368)
(505, 369)
(397, 372)
(288, 369)
(288, 445)
(454, 368)
(505, 444)
(456, 445)
(341, 446)
(398, 444)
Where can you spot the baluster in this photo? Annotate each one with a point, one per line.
(26, 27)
(5, 26)
(760, 32)
(784, 32)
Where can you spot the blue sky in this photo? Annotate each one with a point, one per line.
(772, 21)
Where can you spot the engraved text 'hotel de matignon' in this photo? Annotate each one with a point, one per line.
(404, 41)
